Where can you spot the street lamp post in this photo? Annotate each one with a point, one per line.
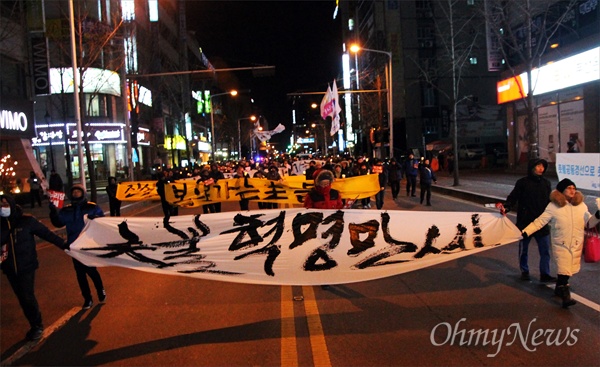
(48, 122)
(212, 121)
(355, 48)
(324, 136)
(251, 118)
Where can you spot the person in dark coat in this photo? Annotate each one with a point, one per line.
(35, 184)
(216, 175)
(113, 203)
(322, 196)
(168, 209)
(411, 170)
(380, 169)
(240, 172)
(394, 177)
(426, 179)
(19, 258)
(72, 217)
(532, 194)
(55, 183)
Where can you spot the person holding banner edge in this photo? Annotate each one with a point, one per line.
(72, 217)
(569, 216)
(532, 194)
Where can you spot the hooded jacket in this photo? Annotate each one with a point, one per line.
(17, 233)
(320, 197)
(72, 216)
(568, 224)
(532, 194)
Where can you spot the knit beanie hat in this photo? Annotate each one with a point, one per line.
(564, 183)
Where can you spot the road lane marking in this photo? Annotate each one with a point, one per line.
(47, 332)
(591, 304)
(289, 351)
(315, 329)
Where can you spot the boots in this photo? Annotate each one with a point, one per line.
(565, 293)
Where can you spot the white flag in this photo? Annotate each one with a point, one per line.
(335, 118)
(266, 135)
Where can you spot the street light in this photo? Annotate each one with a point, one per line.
(251, 118)
(212, 120)
(356, 48)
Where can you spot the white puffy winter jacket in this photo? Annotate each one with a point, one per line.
(568, 221)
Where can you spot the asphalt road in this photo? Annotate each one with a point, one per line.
(470, 312)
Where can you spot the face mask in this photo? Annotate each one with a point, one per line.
(5, 212)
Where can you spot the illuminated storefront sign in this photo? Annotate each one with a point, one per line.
(565, 73)
(16, 118)
(98, 133)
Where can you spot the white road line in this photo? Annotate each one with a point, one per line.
(591, 304)
(29, 345)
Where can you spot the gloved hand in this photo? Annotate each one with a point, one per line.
(525, 235)
(500, 207)
(66, 246)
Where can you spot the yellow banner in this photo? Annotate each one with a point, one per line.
(290, 190)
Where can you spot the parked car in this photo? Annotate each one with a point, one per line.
(470, 151)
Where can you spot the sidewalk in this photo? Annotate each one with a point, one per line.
(492, 185)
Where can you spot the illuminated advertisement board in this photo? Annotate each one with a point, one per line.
(98, 133)
(16, 118)
(565, 73)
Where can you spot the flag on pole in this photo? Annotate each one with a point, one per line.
(327, 104)
(335, 117)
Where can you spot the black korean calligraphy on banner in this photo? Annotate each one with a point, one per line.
(292, 246)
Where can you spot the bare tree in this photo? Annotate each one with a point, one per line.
(526, 29)
(457, 34)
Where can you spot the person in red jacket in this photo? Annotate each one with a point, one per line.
(322, 196)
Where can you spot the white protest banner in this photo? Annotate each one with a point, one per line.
(293, 246)
(57, 198)
(581, 168)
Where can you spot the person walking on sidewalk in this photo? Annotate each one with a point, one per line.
(19, 258)
(411, 170)
(532, 194)
(569, 216)
(72, 217)
(395, 176)
(426, 178)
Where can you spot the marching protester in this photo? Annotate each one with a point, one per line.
(168, 209)
(72, 217)
(322, 196)
(569, 216)
(363, 169)
(216, 175)
(411, 170)
(273, 175)
(240, 172)
(532, 194)
(207, 180)
(19, 258)
(426, 178)
(113, 203)
(379, 168)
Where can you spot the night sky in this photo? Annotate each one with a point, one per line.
(300, 38)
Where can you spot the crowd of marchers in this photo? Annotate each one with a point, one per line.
(538, 206)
